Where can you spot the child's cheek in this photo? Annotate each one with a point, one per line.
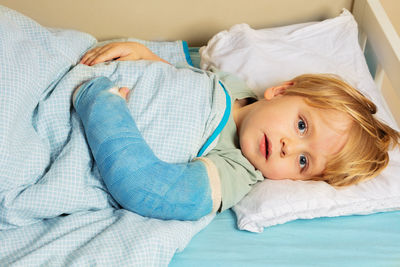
(278, 169)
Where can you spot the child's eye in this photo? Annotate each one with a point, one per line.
(302, 161)
(301, 125)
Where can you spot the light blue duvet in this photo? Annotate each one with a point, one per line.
(54, 207)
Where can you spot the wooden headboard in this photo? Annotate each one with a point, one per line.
(193, 21)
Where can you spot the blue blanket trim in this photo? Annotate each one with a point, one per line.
(221, 125)
(187, 54)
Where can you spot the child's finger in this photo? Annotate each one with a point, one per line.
(92, 53)
(91, 56)
(88, 54)
(124, 91)
(128, 57)
(105, 55)
(100, 56)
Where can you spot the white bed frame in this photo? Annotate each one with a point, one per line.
(376, 30)
(380, 42)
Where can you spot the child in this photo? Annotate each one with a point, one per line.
(314, 127)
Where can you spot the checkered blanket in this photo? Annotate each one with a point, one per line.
(54, 207)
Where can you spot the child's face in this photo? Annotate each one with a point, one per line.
(285, 138)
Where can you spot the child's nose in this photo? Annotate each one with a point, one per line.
(289, 147)
(283, 148)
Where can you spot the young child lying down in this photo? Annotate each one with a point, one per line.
(313, 127)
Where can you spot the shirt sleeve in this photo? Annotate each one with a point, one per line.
(237, 175)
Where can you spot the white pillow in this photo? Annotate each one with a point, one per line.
(266, 57)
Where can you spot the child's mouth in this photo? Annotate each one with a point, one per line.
(264, 147)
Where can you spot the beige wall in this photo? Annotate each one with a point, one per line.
(192, 20)
(392, 8)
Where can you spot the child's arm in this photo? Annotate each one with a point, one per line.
(119, 51)
(134, 176)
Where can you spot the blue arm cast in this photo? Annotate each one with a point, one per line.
(134, 176)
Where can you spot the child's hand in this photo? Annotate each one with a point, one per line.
(122, 92)
(119, 51)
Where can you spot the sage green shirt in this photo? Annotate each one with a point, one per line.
(237, 174)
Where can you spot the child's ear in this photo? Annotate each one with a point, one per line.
(277, 90)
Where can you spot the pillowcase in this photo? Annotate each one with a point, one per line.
(264, 58)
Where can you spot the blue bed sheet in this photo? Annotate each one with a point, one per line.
(371, 240)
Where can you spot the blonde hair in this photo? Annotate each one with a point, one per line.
(365, 153)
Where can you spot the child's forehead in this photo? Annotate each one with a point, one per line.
(325, 116)
(329, 130)
(328, 116)
(331, 118)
